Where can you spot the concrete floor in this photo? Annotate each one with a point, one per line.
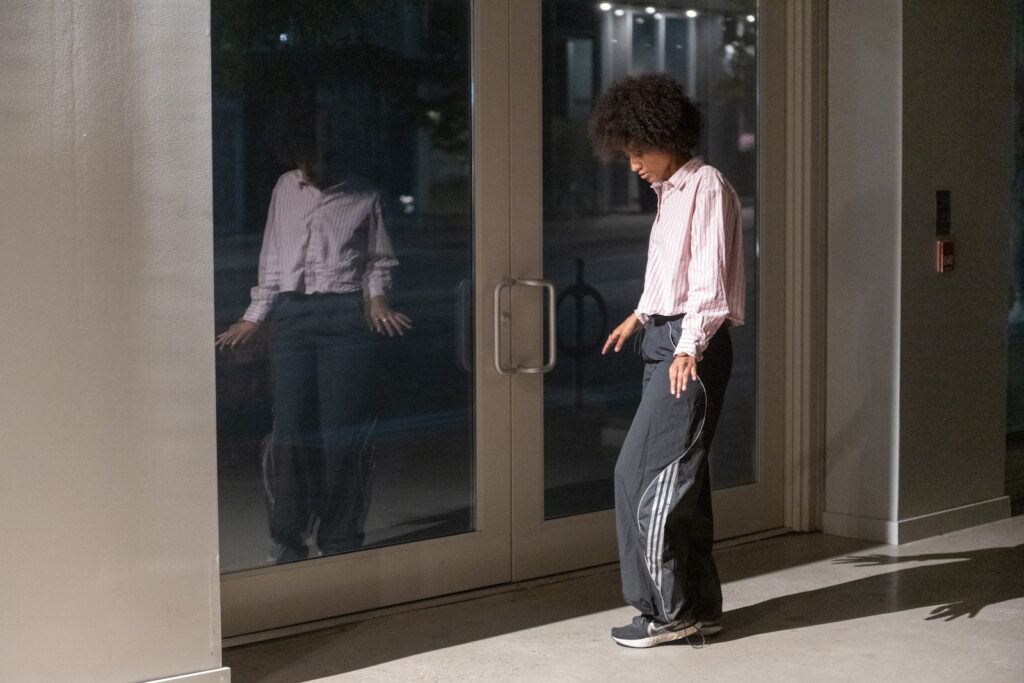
(804, 607)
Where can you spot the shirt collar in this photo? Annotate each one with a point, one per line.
(304, 183)
(678, 179)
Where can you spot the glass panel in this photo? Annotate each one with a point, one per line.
(342, 196)
(1015, 349)
(597, 219)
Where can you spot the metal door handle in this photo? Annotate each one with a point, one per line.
(463, 313)
(498, 365)
(552, 344)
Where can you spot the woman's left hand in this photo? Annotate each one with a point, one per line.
(682, 370)
(383, 320)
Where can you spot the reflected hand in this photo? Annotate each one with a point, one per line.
(239, 333)
(682, 370)
(621, 333)
(383, 320)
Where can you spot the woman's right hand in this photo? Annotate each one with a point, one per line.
(621, 333)
(239, 333)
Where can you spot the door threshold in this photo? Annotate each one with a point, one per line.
(449, 599)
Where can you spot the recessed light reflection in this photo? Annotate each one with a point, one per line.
(691, 13)
(751, 18)
(650, 10)
(605, 6)
(620, 12)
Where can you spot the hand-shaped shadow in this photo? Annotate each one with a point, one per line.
(962, 585)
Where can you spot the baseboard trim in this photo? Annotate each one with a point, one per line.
(916, 528)
(221, 675)
(954, 519)
(867, 528)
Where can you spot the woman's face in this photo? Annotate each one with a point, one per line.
(655, 166)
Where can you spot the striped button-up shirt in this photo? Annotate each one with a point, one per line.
(322, 241)
(695, 257)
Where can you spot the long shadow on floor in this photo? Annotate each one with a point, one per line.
(375, 640)
(961, 586)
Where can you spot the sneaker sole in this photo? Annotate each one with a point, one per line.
(711, 629)
(666, 637)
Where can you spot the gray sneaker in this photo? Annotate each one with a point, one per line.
(646, 632)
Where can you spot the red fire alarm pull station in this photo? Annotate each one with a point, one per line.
(944, 256)
(943, 229)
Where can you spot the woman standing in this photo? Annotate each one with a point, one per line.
(693, 292)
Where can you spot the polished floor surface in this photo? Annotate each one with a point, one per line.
(805, 607)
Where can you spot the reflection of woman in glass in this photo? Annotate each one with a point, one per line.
(324, 270)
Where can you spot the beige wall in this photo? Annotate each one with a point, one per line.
(108, 477)
(957, 136)
(920, 100)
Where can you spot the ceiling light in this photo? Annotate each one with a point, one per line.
(691, 13)
(605, 6)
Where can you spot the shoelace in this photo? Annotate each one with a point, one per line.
(694, 645)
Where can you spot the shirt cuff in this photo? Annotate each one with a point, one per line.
(257, 312)
(642, 317)
(689, 347)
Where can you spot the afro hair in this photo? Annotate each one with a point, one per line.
(642, 114)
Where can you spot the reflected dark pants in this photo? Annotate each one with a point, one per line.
(320, 354)
(662, 486)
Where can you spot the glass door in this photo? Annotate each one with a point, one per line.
(360, 154)
(584, 226)
(393, 180)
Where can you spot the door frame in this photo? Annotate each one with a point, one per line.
(512, 541)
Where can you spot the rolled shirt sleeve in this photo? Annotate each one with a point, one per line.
(269, 275)
(707, 301)
(380, 255)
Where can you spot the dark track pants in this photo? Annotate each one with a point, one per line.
(662, 488)
(318, 469)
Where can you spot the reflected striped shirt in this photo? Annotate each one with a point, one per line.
(695, 256)
(322, 241)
